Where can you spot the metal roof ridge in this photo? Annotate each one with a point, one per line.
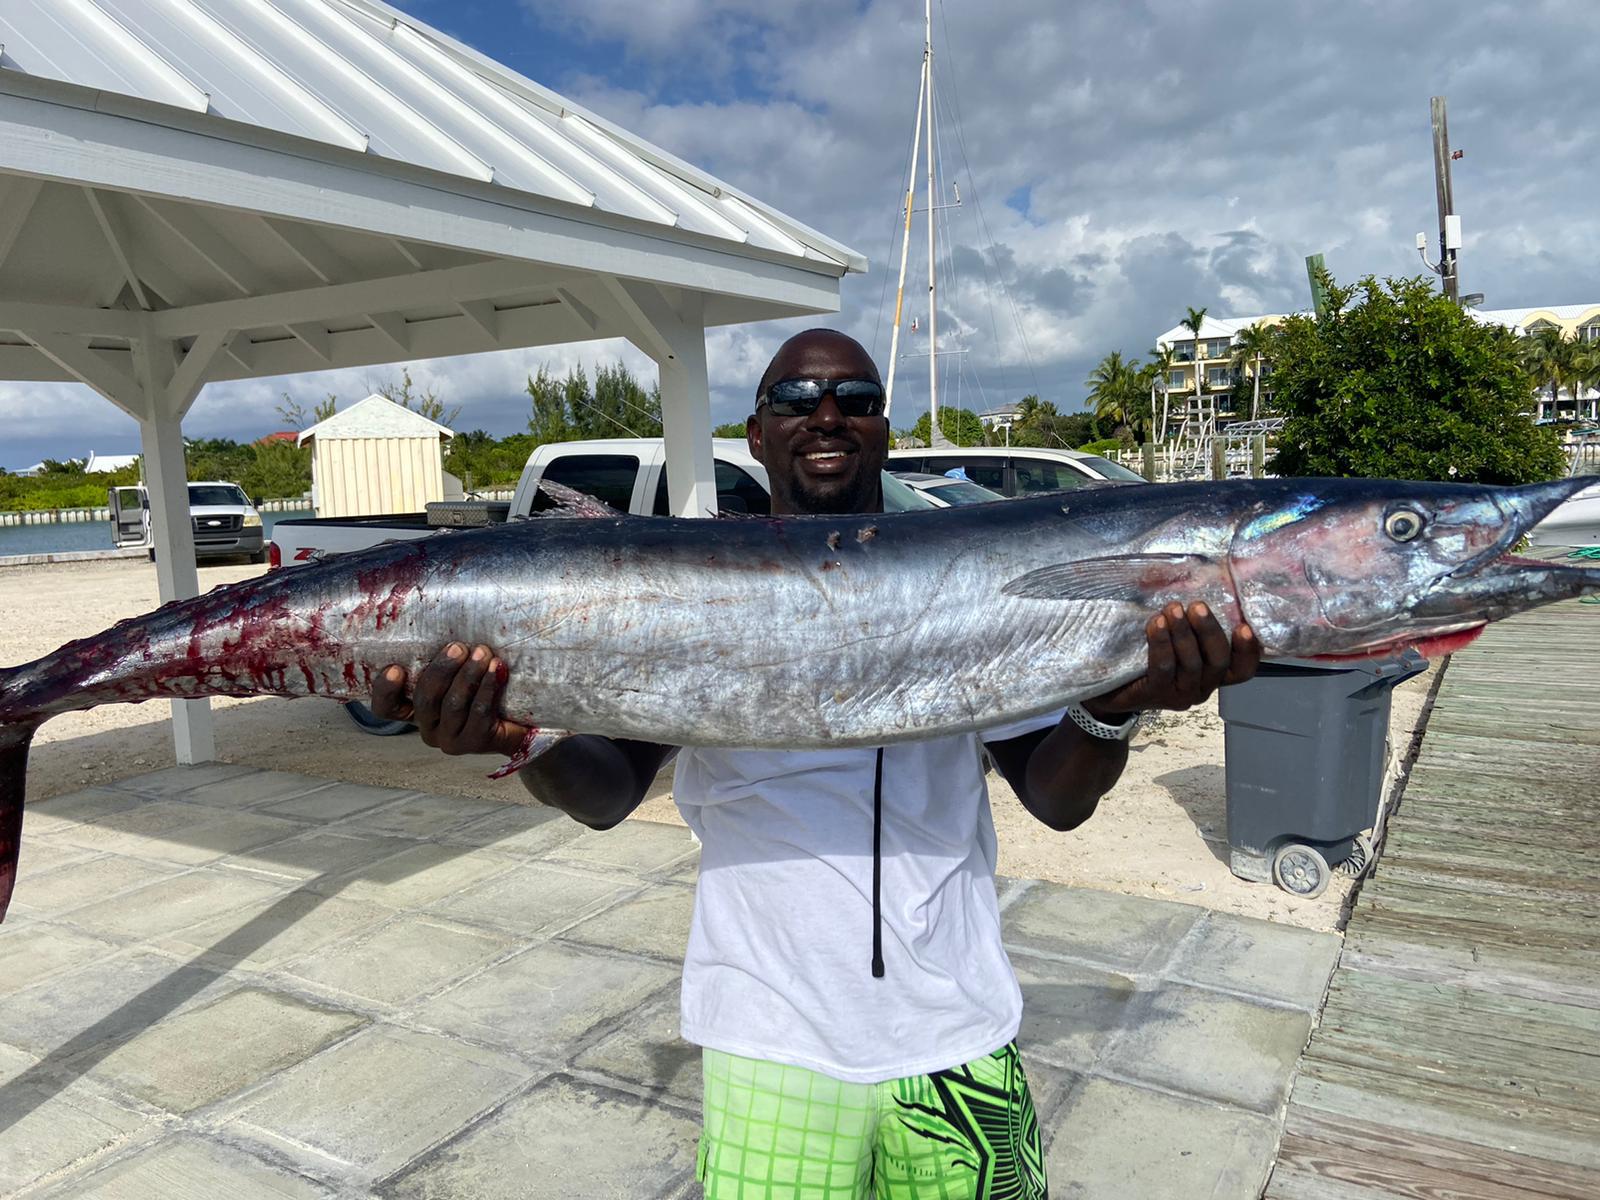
(536, 93)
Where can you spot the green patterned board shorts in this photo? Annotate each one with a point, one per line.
(777, 1132)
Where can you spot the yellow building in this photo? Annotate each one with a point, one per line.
(1212, 357)
(1578, 321)
(1219, 335)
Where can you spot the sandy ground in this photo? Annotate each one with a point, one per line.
(1162, 831)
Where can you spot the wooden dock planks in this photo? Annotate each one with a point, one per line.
(1458, 1055)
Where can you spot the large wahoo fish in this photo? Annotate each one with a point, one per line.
(819, 631)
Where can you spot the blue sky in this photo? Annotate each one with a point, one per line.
(1117, 164)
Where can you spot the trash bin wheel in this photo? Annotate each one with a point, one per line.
(1361, 856)
(1300, 870)
(370, 722)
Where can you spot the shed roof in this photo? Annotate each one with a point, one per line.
(375, 417)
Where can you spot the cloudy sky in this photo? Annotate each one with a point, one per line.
(1117, 162)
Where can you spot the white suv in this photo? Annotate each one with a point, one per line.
(630, 474)
(1015, 470)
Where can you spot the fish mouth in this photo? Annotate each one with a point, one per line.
(1498, 581)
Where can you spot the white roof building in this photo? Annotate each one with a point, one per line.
(101, 464)
(1213, 328)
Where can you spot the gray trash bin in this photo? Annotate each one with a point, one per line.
(1307, 745)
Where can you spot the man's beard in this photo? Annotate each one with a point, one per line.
(857, 495)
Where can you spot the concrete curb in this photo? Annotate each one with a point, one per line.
(69, 556)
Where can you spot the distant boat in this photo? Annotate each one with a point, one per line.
(1574, 523)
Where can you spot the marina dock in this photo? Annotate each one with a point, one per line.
(1459, 1051)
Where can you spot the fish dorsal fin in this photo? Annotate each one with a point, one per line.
(1142, 578)
(569, 502)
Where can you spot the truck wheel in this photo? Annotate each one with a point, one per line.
(260, 556)
(1300, 870)
(370, 722)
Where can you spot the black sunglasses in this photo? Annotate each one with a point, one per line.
(802, 397)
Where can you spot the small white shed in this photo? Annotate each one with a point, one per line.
(375, 457)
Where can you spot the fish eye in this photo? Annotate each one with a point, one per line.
(1404, 524)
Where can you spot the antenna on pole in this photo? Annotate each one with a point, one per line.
(1449, 222)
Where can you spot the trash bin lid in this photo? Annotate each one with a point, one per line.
(1407, 663)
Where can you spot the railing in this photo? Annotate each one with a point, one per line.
(53, 516)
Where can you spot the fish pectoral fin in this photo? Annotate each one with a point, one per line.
(1139, 578)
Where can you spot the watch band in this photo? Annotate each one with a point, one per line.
(1094, 727)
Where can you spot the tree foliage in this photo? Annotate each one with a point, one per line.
(960, 425)
(294, 413)
(406, 394)
(481, 461)
(1038, 423)
(1396, 381)
(570, 408)
(1119, 395)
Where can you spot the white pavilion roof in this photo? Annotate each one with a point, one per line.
(366, 78)
(330, 183)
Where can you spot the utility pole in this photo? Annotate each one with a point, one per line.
(1449, 223)
(935, 430)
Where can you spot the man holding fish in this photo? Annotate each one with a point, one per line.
(845, 973)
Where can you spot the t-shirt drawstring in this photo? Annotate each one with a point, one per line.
(877, 868)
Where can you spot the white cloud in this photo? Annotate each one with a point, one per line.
(1171, 153)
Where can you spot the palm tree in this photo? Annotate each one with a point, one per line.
(1254, 345)
(1162, 360)
(1112, 384)
(1192, 323)
(1587, 370)
(1554, 360)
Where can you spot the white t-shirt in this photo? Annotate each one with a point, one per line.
(779, 964)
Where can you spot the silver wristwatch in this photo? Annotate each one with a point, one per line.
(1094, 727)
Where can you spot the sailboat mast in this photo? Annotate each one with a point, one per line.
(935, 431)
(905, 243)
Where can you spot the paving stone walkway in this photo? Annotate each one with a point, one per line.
(221, 981)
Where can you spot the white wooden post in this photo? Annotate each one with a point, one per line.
(675, 336)
(686, 423)
(168, 384)
(161, 440)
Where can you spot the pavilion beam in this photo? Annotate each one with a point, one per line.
(393, 326)
(211, 248)
(77, 360)
(482, 314)
(580, 310)
(304, 243)
(115, 231)
(19, 199)
(448, 285)
(69, 318)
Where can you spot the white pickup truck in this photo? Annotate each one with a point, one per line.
(627, 473)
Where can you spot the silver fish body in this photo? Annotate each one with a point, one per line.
(826, 631)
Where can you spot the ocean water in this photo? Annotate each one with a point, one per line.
(87, 535)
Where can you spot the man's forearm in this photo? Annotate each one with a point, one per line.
(595, 780)
(1067, 774)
